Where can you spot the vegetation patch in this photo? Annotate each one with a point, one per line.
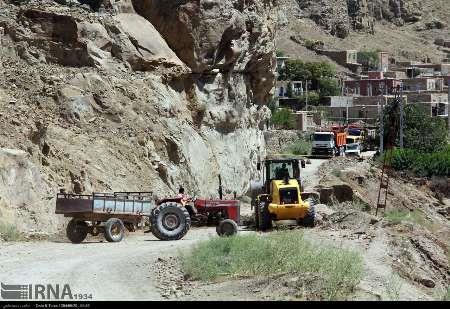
(338, 270)
(398, 216)
(301, 147)
(9, 232)
(421, 163)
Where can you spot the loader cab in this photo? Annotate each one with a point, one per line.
(283, 170)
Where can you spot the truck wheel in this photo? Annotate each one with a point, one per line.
(77, 231)
(114, 230)
(265, 221)
(227, 227)
(170, 221)
(310, 218)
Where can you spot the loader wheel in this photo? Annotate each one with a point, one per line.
(256, 216)
(227, 227)
(310, 218)
(265, 221)
(77, 231)
(170, 221)
(114, 230)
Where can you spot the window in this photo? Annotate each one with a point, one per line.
(278, 172)
(281, 92)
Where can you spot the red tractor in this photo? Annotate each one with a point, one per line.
(222, 213)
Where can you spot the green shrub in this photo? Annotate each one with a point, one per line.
(336, 271)
(422, 164)
(283, 118)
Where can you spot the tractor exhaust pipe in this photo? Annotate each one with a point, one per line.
(220, 188)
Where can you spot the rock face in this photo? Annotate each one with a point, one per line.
(25, 194)
(338, 17)
(112, 101)
(232, 36)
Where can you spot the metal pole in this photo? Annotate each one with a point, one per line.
(306, 107)
(382, 126)
(346, 114)
(448, 110)
(402, 116)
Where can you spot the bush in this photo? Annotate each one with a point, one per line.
(283, 118)
(336, 271)
(422, 164)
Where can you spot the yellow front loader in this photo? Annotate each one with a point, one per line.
(281, 196)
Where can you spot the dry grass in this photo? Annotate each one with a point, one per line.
(9, 232)
(338, 270)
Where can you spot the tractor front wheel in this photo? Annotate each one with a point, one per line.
(227, 227)
(265, 221)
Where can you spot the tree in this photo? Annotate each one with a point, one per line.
(369, 59)
(422, 132)
(328, 87)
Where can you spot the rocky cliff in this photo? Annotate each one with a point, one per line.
(129, 95)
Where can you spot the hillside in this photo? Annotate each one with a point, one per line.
(407, 31)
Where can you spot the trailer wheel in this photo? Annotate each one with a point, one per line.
(114, 230)
(227, 227)
(77, 231)
(170, 221)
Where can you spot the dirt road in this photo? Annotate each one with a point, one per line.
(119, 271)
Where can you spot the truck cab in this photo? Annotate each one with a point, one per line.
(353, 145)
(323, 143)
(329, 143)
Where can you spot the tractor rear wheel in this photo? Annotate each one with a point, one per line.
(170, 221)
(265, 221)
(310, 218)
(77, 231)
(227, 227)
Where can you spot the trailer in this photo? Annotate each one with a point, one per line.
(111, 213)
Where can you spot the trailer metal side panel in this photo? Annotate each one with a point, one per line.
(106, 205)
(68, 205)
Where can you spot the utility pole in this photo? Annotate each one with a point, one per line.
(306, 86)
(448, 111)
(381, 113)
(402, 116)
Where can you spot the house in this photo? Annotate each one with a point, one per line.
(346, 58)
(423, 84)
(281, 62)
(372, 86)
(435, 103)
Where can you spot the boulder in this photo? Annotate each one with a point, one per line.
(142, 46)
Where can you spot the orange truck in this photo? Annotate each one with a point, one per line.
(329, 143)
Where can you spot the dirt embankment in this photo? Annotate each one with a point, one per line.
(405, 249)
